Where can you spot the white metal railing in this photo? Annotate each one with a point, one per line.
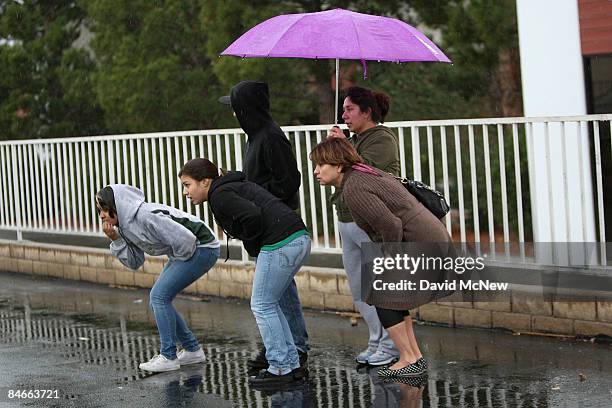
(483, 167)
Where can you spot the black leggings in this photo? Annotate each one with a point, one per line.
(390, 317)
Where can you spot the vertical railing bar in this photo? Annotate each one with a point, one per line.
(27, 185)
(54, 172)
(133, 154)
(117, 162)
(553, 235)
(487, 157)
(228, 155)
(323, 197)
(73, 201)
(458, 164)
(86, 192)
(188, 205)
(568, 225)
(62, 186)
(402, 151)
(126, 163)
(79, 174)
(147, 160)
(98, 181)
(6, 191)
(204, 208)
(600, 202)
(445, 176)
(92, 186)
(140, 161)
(4, 208)
(430, 155)
(162, 165)
(519, 188)
(416, 154)
(298, 157)
(312, 201)
(110, 148)
(46, 198)
(193, 156)
(37, 184)
(474, 181)
(580, 126)
(209, 156)
(170, 180)
(155, 157)
(219, 166)
(502, 174)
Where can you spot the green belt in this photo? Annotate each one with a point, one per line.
(285, 241)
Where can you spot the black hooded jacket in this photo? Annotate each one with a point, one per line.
(248, 212)
(269, 159)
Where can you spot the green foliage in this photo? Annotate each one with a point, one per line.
(99, 66)
(45, 82)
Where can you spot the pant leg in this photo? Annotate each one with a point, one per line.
(175, 277)
(274, 272)
(292, 309)
(352, 237)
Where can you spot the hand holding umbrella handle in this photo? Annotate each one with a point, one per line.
(336, 132)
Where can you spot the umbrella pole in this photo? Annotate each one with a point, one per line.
(337, 86)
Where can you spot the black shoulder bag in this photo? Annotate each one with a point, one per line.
(433, 200)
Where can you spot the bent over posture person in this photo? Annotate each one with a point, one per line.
(277, 237)
(136, 227)
(388, 213)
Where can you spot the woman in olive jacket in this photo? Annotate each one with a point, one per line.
(364, 111)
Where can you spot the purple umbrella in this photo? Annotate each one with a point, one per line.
(336, 34)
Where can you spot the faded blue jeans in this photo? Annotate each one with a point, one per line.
(175, 277)
(274, 272)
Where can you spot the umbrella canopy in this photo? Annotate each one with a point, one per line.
(336, 34)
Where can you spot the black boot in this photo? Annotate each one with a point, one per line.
(260, 363)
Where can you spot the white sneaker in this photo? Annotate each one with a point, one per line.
(185, 357)
(159, 364)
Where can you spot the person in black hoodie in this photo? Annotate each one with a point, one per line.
(276, 236)
(269, 162)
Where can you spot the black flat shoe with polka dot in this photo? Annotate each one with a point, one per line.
(421, 362)
(411, 370)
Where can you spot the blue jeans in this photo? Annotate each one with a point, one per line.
(274, 272)
(175, 277)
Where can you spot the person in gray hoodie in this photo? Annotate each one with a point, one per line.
(137, 227)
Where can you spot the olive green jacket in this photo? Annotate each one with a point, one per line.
(379, 148)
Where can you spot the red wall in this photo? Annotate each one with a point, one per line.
(595, 26)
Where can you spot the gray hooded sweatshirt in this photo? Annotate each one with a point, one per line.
(155, 229)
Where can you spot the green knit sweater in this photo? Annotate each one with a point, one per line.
(379, 148)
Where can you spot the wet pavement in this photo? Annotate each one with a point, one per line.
(84, 342)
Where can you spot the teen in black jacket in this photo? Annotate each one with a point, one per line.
(277, 236)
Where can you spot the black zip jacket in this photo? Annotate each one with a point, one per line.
(268, 159)
(248, 212)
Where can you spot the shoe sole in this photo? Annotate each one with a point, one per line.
(192, 362)
(383, 362)
(160, 371)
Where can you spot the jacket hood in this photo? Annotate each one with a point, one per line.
(250, 101)
(127, 200)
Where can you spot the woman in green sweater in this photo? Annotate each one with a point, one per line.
(364, 109)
